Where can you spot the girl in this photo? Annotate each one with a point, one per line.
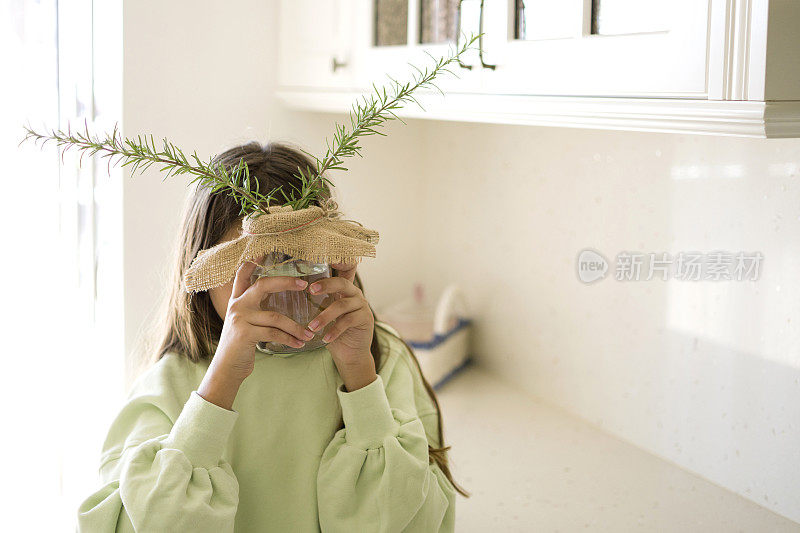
(216, 436)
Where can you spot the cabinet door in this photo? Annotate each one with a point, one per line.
(392, 35)
(316, 44)
(650, 48)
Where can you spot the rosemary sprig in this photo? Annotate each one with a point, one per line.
(142, 154)
(364, 118)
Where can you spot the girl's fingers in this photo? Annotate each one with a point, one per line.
(280, 321)
(345, 270)
(338, 308)
(342, 324)
(268, 284)
(242, 279)
(270, 334)
(333, 285)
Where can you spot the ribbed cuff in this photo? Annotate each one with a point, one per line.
(201, 431)
(367, 415)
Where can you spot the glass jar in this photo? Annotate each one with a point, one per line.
(301, 306)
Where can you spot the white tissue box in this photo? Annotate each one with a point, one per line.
(440, 337)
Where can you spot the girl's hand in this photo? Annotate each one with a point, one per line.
(345, 270)
(350, 337)
(244, 326)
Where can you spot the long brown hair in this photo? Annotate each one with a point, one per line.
(188, 323)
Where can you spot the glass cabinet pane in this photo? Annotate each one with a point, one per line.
(391, 22)
(546, 19)
(520, 16)
(615, 17)
(437, 21)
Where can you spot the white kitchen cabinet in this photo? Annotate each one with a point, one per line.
(724, 67)
(375, 62)
(315, 44)
(558, 55)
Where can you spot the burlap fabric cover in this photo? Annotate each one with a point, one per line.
(315, 233)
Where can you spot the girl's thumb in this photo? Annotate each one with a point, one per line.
(242, 279)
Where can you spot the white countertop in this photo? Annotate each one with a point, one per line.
(532, 467)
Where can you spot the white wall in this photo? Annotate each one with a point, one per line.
(704, 374)
(197, 73)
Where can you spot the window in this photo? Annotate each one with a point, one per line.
(63, 345)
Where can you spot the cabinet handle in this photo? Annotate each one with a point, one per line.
(458, 34)
(480, 40)
(337, 64)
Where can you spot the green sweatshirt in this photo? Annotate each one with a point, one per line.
(174, 462)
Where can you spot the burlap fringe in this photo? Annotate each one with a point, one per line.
(315, 234)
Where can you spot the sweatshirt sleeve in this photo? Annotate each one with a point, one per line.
(375, 474)
(162, 476)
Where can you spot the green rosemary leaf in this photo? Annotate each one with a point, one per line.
(366, 115)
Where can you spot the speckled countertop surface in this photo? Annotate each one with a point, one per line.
(533, 467)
